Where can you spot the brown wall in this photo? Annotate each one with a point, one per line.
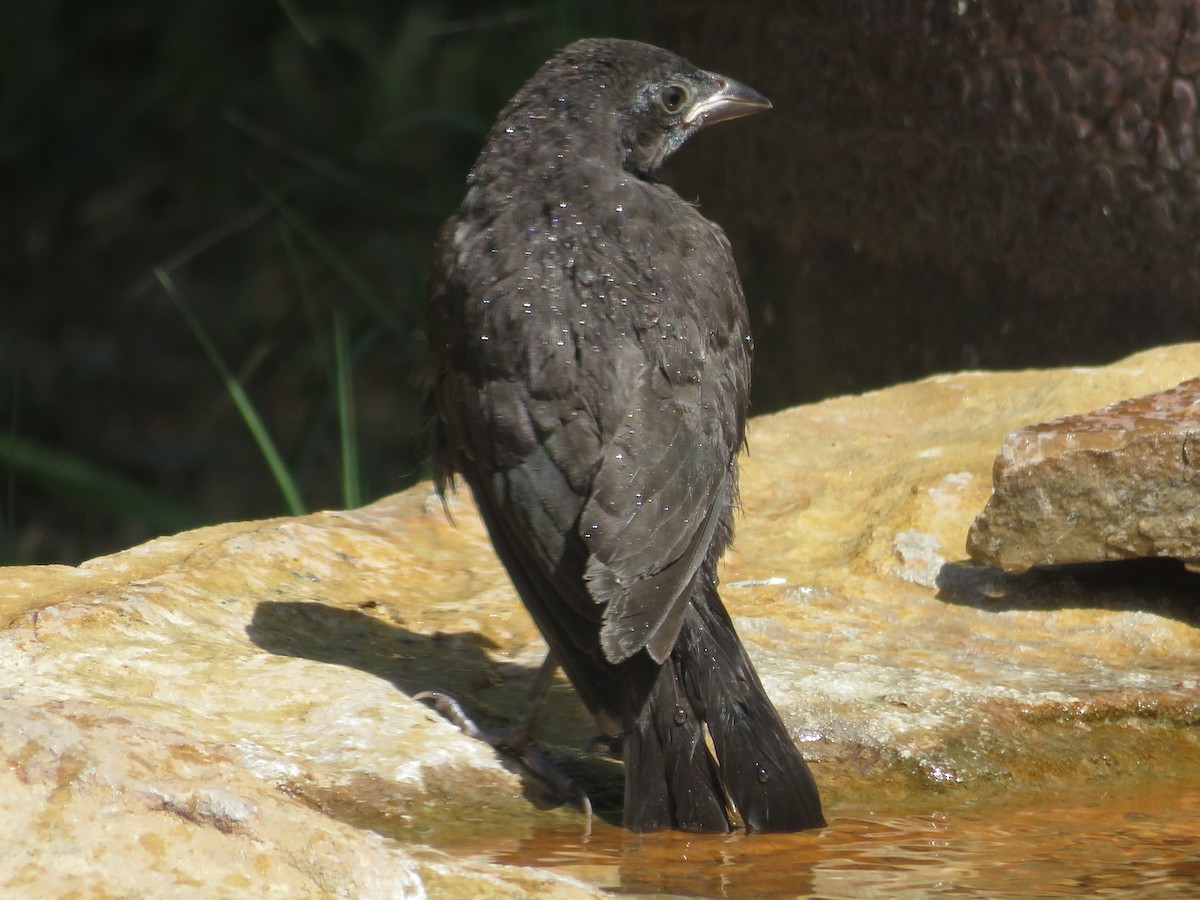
(1015, 184)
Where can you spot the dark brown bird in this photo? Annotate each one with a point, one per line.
(588, 376)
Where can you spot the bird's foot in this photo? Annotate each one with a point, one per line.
(516, 742)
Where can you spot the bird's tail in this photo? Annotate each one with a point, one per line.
(709, 739)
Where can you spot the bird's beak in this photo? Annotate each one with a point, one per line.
(731, 100)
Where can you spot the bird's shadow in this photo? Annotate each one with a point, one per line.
(411, 661)
(1161, 586)
(452, 663)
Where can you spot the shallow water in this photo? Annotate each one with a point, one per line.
(1142, 842)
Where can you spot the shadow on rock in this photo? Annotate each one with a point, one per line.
(1160, 586)
(352, 637)
(454, 663)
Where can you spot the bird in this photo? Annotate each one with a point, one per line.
(588, 378)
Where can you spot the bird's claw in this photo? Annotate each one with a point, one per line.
(516, 742)
(450, 708)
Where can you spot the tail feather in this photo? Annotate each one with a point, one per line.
(672, 779)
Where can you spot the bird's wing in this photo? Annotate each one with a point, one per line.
(656, 501)
(634, 510)
(507, 415)
(608, 453)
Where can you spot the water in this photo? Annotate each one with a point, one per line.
(1139, 841)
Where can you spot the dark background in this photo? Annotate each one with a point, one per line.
(940, 186)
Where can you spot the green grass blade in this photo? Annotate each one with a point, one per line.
(92, 486)
(307, 302)
(335, 260)
(343, 370)
(244, 406)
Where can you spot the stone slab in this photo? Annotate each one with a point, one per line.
(232, 706)
(1120, 482)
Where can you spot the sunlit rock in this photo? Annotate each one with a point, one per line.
(1117, 483)
(232, 707)
(212, 713)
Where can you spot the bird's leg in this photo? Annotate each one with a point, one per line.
(517, 739)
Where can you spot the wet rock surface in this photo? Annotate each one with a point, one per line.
(1117, 483)
(230, 707)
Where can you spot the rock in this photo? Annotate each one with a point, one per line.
(230, 708)
(216, 711)
(94, 798)
(1117, 483)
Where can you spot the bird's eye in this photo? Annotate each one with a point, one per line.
(673, 97)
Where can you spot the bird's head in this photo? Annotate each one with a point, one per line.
(638, 100)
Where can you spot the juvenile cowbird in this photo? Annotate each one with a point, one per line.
(588, 377)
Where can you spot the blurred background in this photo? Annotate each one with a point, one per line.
(218, 217)
(287, 165)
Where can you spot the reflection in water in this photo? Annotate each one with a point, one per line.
(1143, 843)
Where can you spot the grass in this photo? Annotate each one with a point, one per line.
(91, 484)
(285, 168)
(254, 422)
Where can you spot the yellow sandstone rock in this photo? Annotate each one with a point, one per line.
(231, 707)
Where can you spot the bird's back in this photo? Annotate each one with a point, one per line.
(589, 375)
